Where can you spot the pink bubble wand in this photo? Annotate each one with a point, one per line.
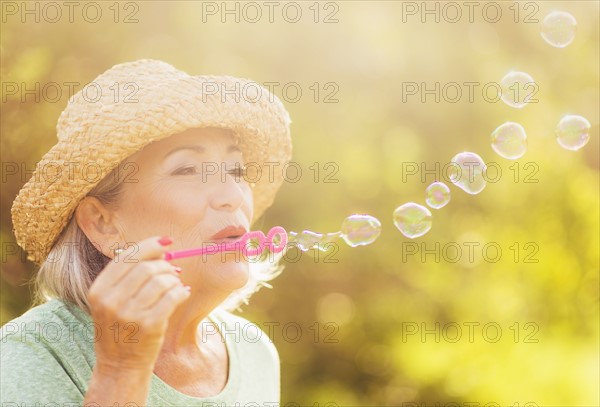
(263, 242)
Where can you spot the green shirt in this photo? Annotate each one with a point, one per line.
(47, 356)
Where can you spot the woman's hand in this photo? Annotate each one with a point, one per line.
(131, 301)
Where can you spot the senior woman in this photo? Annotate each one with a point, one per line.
(149, 160)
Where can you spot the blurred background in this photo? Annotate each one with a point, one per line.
(513, 324)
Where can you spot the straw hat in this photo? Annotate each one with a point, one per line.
(128, 107)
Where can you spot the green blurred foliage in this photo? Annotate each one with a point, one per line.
(373, 294)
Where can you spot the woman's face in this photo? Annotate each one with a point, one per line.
(189, 186)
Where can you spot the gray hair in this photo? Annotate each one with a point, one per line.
(74, 262)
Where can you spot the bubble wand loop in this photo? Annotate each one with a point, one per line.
(242, 244)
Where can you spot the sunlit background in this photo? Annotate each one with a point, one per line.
(358, 326)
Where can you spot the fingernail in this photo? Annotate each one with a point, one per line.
(187, 287)
(165, 241)
(178, 269)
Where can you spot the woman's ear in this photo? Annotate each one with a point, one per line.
(97, 223)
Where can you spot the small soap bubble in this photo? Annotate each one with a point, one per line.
(466, 172)
(412, 220)
(558, 29)
(573, 132)
(327, 238)
(437, 195)
(307, 239)
(360, 230)
(509, 140)
(518, 89)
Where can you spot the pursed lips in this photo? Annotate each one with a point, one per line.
(228, 234)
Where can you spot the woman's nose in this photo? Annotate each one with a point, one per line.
(227, 194)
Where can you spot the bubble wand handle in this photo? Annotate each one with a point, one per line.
(242, 244)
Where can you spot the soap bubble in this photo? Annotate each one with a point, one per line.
(558, 29)
(412, 220)
(360, 230)
(437, 195)
(573, 132)
(518, 89)
(307, 239)
(467, 172)
(509, 140)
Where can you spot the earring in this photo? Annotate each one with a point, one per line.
(118, 250)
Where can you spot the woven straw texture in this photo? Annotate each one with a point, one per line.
(155, 101)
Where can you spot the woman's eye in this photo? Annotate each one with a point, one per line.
(189, 170)
(237, 172)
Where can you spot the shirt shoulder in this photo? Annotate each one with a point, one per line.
(52, 346)
(38, 322)
(53, 324)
